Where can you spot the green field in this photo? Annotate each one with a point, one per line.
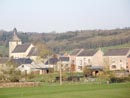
(119, 90)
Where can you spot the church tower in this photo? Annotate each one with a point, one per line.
(14, 42)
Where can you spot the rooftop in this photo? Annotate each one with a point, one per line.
(117, 52)
(33, 52)
(76, 51)
(21, 48)
(88, 53)
(64, 58)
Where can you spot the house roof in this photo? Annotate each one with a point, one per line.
(51, 61)
(21, 48)
(33, 52)
(22, 61)
(32, 66)
(88, 53)
(95, 68)
(117, 52)
(75, 51)
(64, 58)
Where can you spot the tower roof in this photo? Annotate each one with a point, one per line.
(15, 37)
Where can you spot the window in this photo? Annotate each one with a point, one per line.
(89, 60)
(120, 60)
(114, 66)
(80, 62)
(80, 67)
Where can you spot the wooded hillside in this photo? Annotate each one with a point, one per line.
(72, 39)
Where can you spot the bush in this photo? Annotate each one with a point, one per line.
(119, 80)
(14, 78)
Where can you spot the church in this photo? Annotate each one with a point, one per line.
(18, 50)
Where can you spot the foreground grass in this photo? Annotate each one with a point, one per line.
(120, 90)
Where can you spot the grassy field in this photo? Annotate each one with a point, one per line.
(120, 90)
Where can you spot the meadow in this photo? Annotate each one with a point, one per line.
(73, 90)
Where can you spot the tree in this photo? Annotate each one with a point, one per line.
(10, 73)
(43, 50)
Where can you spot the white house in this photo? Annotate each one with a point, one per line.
(31, 68)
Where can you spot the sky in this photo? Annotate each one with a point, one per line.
(63, 15)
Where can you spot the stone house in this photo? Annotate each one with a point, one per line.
(117, 59)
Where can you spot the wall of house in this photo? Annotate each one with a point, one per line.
(106, 62)
(118, 62)
(82, 61)
(34, 58)
(128, 64)
(97, 59)
(24, 69)
(19, 55)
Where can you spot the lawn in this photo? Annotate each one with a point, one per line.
(117, 90)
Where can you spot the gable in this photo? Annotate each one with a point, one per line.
(33, 52)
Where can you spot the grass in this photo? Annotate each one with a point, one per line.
(126, 45)
(117, 90)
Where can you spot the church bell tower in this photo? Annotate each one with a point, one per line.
(14, 42)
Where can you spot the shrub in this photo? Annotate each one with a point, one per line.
(119, 80)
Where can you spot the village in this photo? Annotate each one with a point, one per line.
(64, 48)
(87, 62)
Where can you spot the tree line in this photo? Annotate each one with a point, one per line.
(66, 41)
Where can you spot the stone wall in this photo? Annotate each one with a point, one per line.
(19, 84)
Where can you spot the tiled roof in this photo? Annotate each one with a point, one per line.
(96, 68)
(64, 58)
(33, 52)
(22, 61)
(87, 53)
(117, 52)
(51, 61)
(21, 48)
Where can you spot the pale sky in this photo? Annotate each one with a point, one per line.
(63, 15)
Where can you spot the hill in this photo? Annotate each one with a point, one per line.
(73, 39)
